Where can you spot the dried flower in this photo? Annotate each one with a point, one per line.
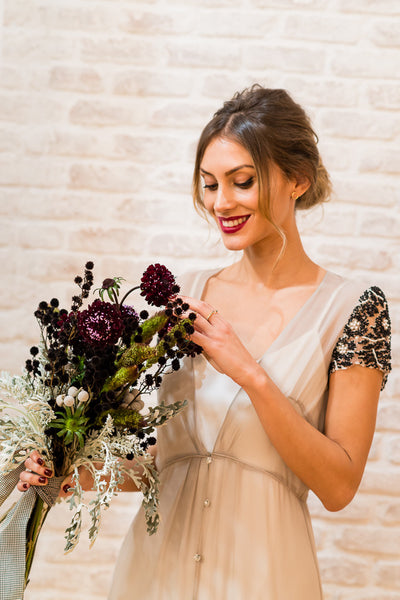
(107, 283)
(158, 285)
(100, 324)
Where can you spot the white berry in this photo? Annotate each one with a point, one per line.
(69, 401)
(83, 396)
(73, 391)
(60, 399)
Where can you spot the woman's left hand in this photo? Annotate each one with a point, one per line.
(221, 345)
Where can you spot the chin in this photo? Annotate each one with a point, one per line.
(234, 245)
(237, 243)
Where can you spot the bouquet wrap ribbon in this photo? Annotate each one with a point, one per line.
(13, 531)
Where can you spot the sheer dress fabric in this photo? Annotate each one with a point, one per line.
(234, 519)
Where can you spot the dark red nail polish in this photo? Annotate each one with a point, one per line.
(25, 486)
(48, 472)
(42, 479)
(40, 461)
(66, 488)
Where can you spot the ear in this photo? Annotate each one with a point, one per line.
(301, 185)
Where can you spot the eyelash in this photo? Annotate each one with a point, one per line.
(244, 186)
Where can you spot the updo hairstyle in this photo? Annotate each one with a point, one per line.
(273, 128)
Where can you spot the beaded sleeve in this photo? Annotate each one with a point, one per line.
(365, 339)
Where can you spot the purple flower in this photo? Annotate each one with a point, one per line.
(101, 324)
(158, 285)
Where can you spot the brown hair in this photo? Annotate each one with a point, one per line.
(272, 127)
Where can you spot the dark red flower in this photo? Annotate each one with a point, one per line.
(101, 324)
(158, 285)
(107, 283)
(128, 312)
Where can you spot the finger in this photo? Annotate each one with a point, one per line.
(206, 325)
(32, 479)
(200, 337)
(35, 456)
(32, 465)
(23, 486)
(40, 465)
(205, 313)
(195, 304)
(65, 487)
(211, 316)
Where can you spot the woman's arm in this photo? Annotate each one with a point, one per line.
(331, 464)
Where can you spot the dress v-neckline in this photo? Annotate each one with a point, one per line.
(198, 290)
(205, 276)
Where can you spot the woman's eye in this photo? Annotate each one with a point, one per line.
(246, 184)
(210, 186)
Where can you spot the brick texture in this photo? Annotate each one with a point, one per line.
(101, 104)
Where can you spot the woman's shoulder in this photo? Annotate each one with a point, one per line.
(359, 289)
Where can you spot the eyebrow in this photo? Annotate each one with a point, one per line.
(230, 172)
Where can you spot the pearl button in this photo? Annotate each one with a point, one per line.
(197, 557)
(209, 460)
(206, 502)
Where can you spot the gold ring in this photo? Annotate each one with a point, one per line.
(211, 314)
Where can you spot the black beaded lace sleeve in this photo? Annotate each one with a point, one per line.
(365, 339)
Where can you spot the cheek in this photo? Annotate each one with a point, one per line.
(253, 200)
(208, 203)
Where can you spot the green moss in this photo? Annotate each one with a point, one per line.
(124, 376)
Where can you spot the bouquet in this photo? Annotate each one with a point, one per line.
(78, 403)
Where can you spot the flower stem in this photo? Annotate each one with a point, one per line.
(35, 524)
(127, 294)
(115, 297)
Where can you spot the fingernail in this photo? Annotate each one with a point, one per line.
(42, 479)
(66, 488)
(48, 472)
(25, 486)
(40, 461)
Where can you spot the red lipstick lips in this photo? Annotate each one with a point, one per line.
(233, 224)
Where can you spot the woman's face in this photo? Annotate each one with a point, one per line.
(231, 195)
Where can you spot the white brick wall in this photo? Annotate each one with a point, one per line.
(101, 103)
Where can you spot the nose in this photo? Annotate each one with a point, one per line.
(224, 200)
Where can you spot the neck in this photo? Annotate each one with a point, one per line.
(276, 266)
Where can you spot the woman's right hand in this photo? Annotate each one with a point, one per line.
(36, 472)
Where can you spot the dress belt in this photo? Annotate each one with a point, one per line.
(209, 457)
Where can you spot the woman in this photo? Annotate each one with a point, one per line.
(274, 407)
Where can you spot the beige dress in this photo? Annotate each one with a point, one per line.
(234, 518)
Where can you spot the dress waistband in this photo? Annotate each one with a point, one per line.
(209, 457)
